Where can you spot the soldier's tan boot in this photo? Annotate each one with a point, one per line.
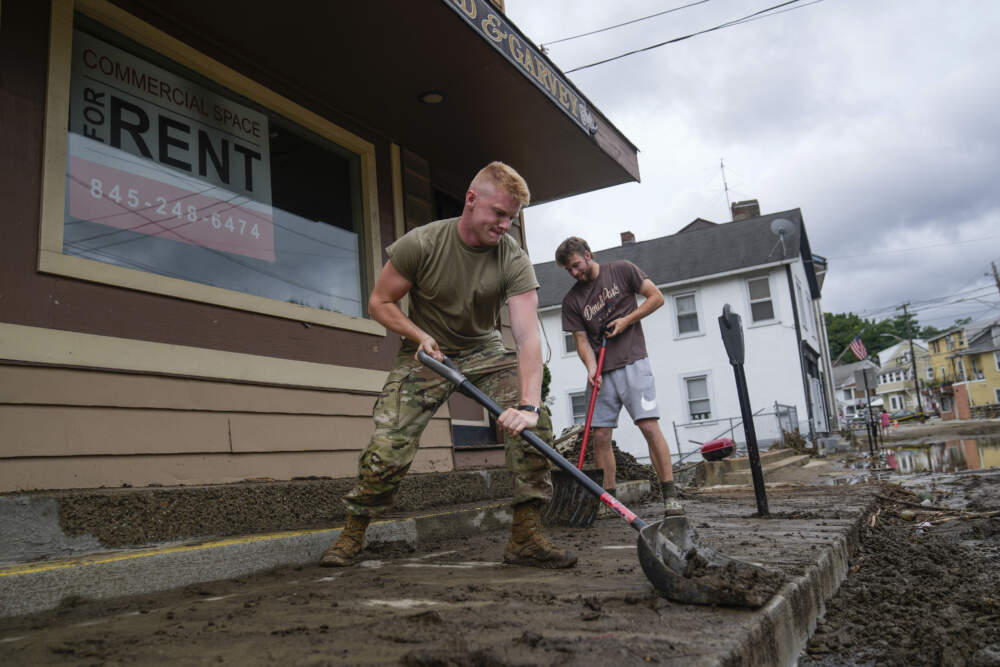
(528, 546)
(342, 552)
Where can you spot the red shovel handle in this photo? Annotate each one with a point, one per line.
(593, 400)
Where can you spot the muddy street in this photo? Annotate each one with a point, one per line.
(924, 587)
(455, 603)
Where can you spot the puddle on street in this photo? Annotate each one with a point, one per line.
(948, 456)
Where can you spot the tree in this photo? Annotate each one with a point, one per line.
(841, 328)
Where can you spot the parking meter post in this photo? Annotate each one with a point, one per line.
(732, 338)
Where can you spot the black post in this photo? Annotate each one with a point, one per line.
(732, 338)
(868, 418)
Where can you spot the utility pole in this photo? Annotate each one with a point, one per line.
(913, 359)
(996, 276)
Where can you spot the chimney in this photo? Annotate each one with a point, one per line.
(628, 238)
(748, 208)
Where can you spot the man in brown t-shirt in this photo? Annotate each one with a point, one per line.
(604, 298)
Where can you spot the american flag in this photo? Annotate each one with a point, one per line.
(858, 348)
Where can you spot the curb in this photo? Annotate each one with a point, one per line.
(790, 617)
(28, 588)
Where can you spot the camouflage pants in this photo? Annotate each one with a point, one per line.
(410, 397)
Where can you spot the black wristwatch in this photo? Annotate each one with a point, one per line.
(528, 408)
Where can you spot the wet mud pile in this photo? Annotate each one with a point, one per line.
(924, 585)
(132, 517)
(742, 584)
(627, 468)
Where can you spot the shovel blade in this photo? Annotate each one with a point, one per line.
(572, 505)
(684, 571)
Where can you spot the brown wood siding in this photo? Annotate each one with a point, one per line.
(36, 299)
(63, 428)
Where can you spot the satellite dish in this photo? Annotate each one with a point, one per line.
(781, 227)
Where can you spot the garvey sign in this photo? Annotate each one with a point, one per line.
(156, 154)
(506, 39)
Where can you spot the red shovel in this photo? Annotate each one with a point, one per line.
(593, 397)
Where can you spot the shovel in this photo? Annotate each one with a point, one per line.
(673, 561)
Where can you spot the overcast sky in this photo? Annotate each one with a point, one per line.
(879, 119)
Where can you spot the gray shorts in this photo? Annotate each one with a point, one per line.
(631, 386)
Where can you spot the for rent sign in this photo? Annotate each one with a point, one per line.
(159, 155)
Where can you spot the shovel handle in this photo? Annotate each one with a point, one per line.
(593, 398)
(463, 385)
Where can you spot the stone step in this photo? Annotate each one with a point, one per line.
(767, 468)
(711, 473)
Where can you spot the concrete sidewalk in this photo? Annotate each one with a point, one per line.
(40, 585)
(810, 534)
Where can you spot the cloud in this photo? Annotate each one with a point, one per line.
(877, 119)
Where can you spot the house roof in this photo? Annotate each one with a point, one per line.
(701, 249)
(972, 329)
(986, 340)
(844, 374)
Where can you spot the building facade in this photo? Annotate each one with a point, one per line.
(966, 366)
(197, 197)
(897, 385)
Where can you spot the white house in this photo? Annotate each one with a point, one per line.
(763, 268)
(896, 384)
(850, 394)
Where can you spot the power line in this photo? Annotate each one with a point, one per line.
(728, 24)
(919, 247)
(619, 25)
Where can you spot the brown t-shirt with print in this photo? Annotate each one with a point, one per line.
(589, 306)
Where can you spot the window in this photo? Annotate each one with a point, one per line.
(930, 373)
(805, 312)
(699, 406)
(996, 395)
(687, 314)
(182, 182)
(848, 394)
(761, 308)
(569, 341)
(943, 376)
(578, 405)
(895, 403)
(996, 360)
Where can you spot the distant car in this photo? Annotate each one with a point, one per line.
(908, 416)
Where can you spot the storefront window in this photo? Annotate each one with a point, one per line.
(171, 174)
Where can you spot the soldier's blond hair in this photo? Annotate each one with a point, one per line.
(505, 177)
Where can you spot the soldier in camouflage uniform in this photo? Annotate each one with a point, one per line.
(458, 273)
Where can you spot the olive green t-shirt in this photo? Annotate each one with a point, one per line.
(458, 290)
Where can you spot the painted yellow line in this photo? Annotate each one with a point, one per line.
(100, 559)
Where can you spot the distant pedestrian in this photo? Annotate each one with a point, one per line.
(885, 421)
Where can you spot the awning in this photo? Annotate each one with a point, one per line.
(371, 61)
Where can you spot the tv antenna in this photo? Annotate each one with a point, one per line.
(725, 186)
(781, 227)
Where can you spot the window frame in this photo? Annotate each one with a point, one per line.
(50, 255)
(693, 375)
(676, 318)
(751, 301)
(567, 337)
(570, 395)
